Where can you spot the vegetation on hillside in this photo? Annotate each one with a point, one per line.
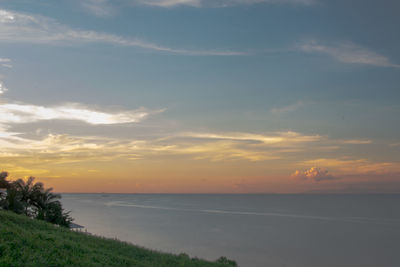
(27, 242)
(33, 200)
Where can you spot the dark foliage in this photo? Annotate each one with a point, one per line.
(33, 200)
(3, 181)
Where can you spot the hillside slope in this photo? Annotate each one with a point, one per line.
(29, 242)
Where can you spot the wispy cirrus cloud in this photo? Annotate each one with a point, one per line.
(218, 151)
(16, 146)
(100, 8)
(347, 52)
(240, 145)
(64, 148)
(217, 3)
(271, 138)
(105, 7)
(357, 141)
(169, 3)
(47, 149)
(24, 113)
(288, 108)
(18, 27)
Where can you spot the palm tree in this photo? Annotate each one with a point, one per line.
(33, 200)
(12, 201)
(43, 200)
(48, 206)
(3, 182)
(28, 191)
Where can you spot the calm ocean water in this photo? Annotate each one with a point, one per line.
(254, 230)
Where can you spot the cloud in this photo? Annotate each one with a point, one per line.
(23, 113)
(59, 149)
(347, 166)
(288, 108)
(313, 174)
(103, 8)
(5, 62)
(170, 3)
(64, 148)
(25, 28)
(17, 145)
(217, 3)
(48, 150)
(357, 142)
(238, 145)
(220, 151)
(3, 89)
(100, 8)
(347, 52)
(272, 138)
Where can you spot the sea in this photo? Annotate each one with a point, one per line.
(270, 230)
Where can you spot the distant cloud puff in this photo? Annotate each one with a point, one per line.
(3, 89)
(313, 174)
(5, 62)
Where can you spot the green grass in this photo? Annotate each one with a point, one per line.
(29, 242)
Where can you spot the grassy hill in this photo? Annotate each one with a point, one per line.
(28, 242)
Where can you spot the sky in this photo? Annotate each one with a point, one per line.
(201, 96)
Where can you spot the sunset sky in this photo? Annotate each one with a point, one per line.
(201, 96)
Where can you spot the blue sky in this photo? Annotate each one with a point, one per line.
(228, 71)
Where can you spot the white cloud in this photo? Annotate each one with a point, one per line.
(288, 108)
(347, 53)
(272, 138)
(5, 62)
(107, 148)
(170, 3)
(217, 3)
(313, 174)
(23, 113)
(3, 89)
(24, 28)
(100, 8)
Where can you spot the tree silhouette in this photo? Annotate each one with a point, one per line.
(33, 200)
(12, 201)
(28, 192)
(3, 182)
